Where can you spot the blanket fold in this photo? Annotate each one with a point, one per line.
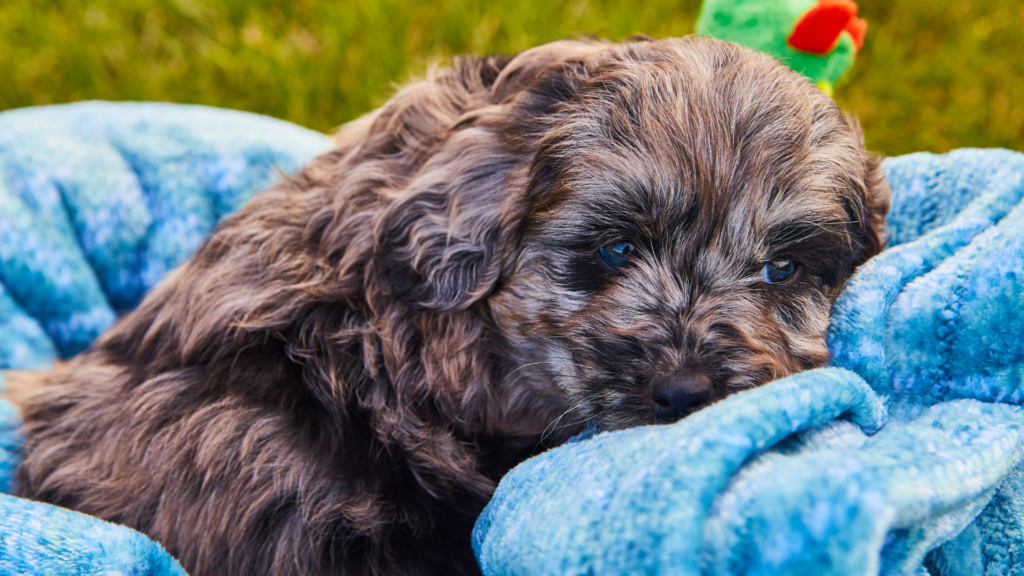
(46, 540)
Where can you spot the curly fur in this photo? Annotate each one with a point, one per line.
(335, 382)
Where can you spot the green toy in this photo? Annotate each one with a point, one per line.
(818, 38)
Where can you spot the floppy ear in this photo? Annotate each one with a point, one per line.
(439, 243)
(869, 209)
(876, 205)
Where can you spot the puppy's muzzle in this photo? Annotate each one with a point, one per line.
(676, 395)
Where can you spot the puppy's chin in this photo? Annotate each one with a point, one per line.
(617, 404)
(627, 410)
(606, 419)
(638, 412)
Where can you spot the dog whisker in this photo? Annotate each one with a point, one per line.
(538, 363)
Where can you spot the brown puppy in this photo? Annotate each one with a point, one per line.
(335, 382)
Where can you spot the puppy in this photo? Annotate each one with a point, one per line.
(514, 248)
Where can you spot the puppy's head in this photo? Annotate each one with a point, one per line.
(657, 224)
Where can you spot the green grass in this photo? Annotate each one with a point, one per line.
(934, 74)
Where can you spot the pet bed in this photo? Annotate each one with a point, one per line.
(901, 458)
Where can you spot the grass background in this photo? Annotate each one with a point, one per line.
(934, 74)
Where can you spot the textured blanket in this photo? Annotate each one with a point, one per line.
(902, 458)
(97, 202)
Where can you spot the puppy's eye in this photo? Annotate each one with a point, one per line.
(615, 255)
(779, 271)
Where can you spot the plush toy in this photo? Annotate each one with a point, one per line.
(818, 38)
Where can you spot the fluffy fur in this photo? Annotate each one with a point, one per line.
(338, 378)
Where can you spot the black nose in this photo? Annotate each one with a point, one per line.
(677, 395)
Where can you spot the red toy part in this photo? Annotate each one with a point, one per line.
(857, 28)
(817, 30)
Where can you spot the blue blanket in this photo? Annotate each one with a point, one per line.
(98, 201)
(900, 459)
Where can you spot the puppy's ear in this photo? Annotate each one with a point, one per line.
(439, 244)
(876, 205)
(870, 205)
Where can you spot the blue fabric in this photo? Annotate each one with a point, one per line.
(98, 201)
(901, 458)
(46, 540)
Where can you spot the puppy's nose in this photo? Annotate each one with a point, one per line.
(677, 395)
